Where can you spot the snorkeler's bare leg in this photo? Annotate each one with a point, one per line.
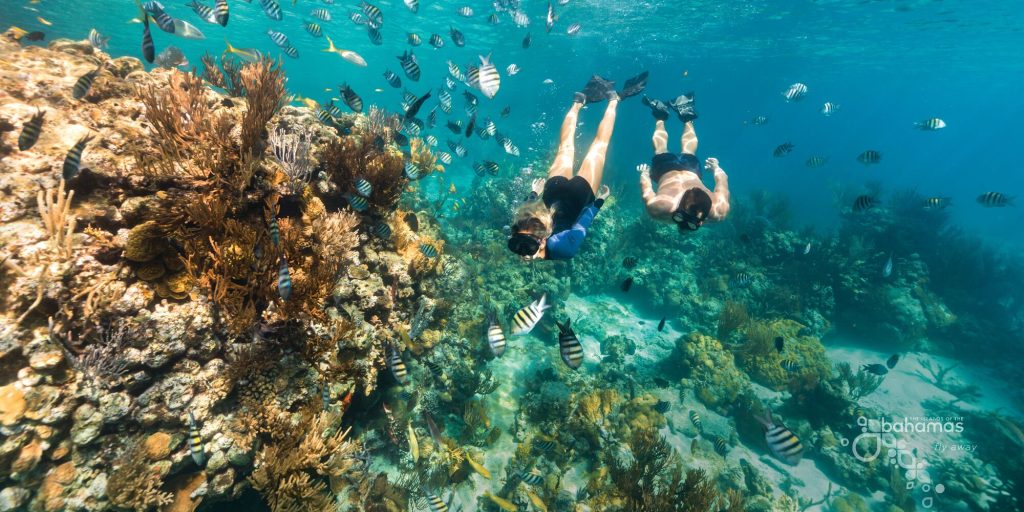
(660, 138)
(689, 139)
(593, 164)
(562, 165)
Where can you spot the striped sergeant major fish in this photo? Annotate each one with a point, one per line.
(495, 336)
(205, 12)
(397, 366)
(527, 318)
(930, 125)
(569, 345)
(410, 65)
(284, 280)
(782, 443)
(796, 92)
(829, 108)
(435, 503)
(31, 130)
(220, 11)
(84, 82)
(995, 200)
(695, 419)
(195, 441)
(73, 160)
(272, 9)
(278, 38)
(485, 78)
(533, 477)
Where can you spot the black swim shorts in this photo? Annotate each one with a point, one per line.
(568, 198)
(667, 162)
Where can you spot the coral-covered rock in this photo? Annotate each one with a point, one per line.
(12, 405)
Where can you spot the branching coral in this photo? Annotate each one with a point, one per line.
(293, 473)
(291, 148)
(134, 484)
(363, 155)
(652, 480)
(264, 91)
(732, 317)
(54, 209)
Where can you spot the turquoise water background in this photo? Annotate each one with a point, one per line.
(887, 64)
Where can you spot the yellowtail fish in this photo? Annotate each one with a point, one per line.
(73, 159)
(478, 467)
(781, 441)
(348, 55)
(435, 433)
(30, 131)
(527, 318)
(569, 345)
(502, 503)
(536, 501)
(245, 53)
(195, 441)
(496, 338)
(414, 445)
(44, 21)
(284, 280)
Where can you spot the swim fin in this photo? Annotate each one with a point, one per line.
(634, 86)
(683, 105)
(598, 89)
(658, 108)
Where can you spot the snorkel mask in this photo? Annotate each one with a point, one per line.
(686, 220)
(524, 244)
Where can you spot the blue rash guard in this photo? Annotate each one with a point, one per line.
(565, 244)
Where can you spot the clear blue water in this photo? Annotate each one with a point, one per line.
(887, 63)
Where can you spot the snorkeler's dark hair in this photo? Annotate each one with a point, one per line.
(694, 208)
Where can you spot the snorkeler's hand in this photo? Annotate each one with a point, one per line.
(603, 192)
(644, 169)
(538, 185)
(711, 164)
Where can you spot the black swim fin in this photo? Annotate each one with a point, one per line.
(684, 107)
(598, 89)
(634, 86)
(658, 108)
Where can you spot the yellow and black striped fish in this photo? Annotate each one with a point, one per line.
(284, 280)
(569, 345)
(526, 318)
(486, 77)
(397, 366)
(721, 446)
(495, 336)
(533, 477)
(275, 232)
(30, 132)
(995, 200)
(783, 443)
(195, 441)
(73, 160)
(695, 419)
(410, 66)
(436, 503)
(84, 82)
(937, 203)
(220, 12)
(869, 157)
(864, 202)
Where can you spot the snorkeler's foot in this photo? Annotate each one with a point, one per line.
(683, 105)
(634, 86)
(597, 89)
(658, 108)
(580, 98)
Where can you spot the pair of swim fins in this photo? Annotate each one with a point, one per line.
(599, 89)
(683, 105)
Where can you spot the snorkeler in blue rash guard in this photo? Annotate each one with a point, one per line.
(553, 222)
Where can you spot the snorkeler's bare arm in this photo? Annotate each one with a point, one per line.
(720, 207)
(658, 207)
